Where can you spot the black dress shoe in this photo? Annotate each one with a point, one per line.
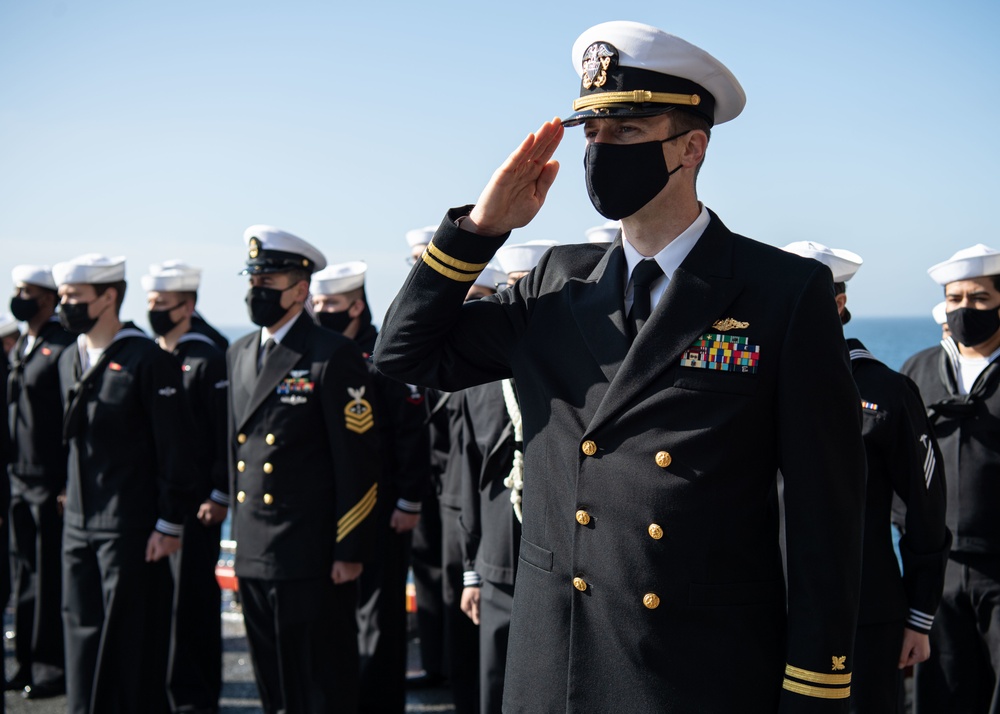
(44, 691)
(18, 681)
(424, 680)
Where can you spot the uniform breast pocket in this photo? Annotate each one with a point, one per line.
(536, 555)
(704, 380)
(115, 388)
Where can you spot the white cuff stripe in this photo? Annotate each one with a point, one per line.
(408, 506)
(168, 528)
(471, 579)
(920, 619)
(219, 497)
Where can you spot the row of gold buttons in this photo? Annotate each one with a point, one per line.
(662, 458)
(242, 497)
(650, 600)
(269, 439)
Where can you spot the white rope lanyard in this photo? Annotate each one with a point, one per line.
(515, 480)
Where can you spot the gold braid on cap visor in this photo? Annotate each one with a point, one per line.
(636, 96)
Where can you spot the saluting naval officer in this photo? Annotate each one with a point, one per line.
(304, 464)
(341, 305)
(130, 485)
(37, 478)
(903, 458)
(194, 677)
(960, 383)
(650, 575)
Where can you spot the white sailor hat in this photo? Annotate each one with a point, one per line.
(8, 325)
(628, 69)
(491, 276)
(172, 276)
(91, 268)
(272, 250)
(339, 278)
(940, 313)
(522, 257)
(975, 262)
(605, 233)
(842, 263)
(420, 236)
(40, 275)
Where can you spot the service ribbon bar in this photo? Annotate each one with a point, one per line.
(725, 353)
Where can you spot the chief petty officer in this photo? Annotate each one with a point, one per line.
(650, 526)
(304, 463)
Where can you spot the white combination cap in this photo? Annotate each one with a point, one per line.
(628, 69)
(40, 275)
(975, 262)
(940, 313)
(842, 263)
(604, 233)
(420, 236)
(272, 250)
(91, 268)
(339, 278)
(172, 276)
(8, 325)
(491, 276)
(522, 257)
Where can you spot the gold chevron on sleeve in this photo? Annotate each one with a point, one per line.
(350, 520)
(817, 677)
(455, 262)
(817, 692)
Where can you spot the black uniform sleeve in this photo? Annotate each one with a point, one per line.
(215, 395)
(404, 414)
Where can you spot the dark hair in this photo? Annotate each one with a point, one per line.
(996, 281)
(297, 275)
(684, 121)
(186, 295)
(101, 288)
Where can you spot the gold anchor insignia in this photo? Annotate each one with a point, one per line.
(254, 247)
(729, 324)
(597, 60)
(838, 663)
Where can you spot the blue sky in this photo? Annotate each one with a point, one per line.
(162, 130)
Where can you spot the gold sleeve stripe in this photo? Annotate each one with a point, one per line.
(818, 692)
(817, 677)
(448, 272)
(344, 529)
(455, 262)
(370, 496)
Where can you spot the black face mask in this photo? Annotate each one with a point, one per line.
(23, 309)
(160, 320)
(972, 327)
(336, 321)
(622, 178)
(264, 305)
(75, 317)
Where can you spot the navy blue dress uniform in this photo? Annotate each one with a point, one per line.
(963, 672)
(304, 463)
(492, 530)
(194, 676)
(402, 485)
(124, 417)
(37, 476)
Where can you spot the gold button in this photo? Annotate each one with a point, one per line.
(241, 466)
(663, 459)
(241, 438)
(589, 447)
(655, 532)
(580, 584)
(241, 496)
(268, 468)
(582, 517)
(269, 439)
(269, 499)
(651, 601)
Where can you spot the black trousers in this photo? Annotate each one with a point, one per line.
(382, 625)
(876, 677)
(36, 556)
(425, 560)
(303, 639)
(461, 635)
(495, 602)
(116, 618)
(961, 675)
(194, 674)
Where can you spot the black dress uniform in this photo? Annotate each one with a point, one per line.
(125, 416)
(37, 476)
(903, 458)
(304, 461)
(492, 530)
(382, 585)
(650, 523)
(963, 672)
(195, 670)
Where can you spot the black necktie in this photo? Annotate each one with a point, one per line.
(644, 274)
(265, 351)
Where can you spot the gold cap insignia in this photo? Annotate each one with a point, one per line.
(838, 663)
(254, 247)
(597, 60)
(729, 324)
